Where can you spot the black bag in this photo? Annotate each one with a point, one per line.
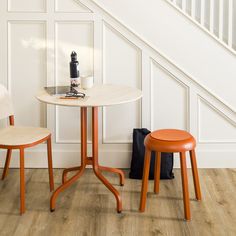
(137, 162)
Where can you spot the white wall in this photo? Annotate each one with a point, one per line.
(35, 46)
(181, 41)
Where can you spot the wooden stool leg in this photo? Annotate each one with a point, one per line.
(7, 163)
(50, 171)
(157, 172)
(145, 180)
(195, 175)
(185, 186)
(22, 182)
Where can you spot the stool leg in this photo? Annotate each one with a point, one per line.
(145, 180)
(22, 182)
(50, 170)
(157, 172)
(7, 163)
(195, 175)
(185, 185)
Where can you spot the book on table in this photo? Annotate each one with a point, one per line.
(64, 92)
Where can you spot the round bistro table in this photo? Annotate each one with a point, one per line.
(97, 96)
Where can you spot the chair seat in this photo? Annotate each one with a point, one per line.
(170, 140)
(22, 136)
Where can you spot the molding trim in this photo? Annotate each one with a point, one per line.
(57, 139)
(56, 115)
(178, 81)
(9, 23)
(139, 51)
(87, 10)
(107, 15)
(220, 113)
(35, 11)
(43, 123)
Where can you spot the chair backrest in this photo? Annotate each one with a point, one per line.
(6, 107)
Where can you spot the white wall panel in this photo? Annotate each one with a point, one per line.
(71, 36)
(213, 125)
(70, 6)
(121, 65)
(27, 70)
(27, 5)
(67, 125)
(170, 96)
(169, 100)
(180, 41)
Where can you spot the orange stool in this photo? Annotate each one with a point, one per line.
(170, 140)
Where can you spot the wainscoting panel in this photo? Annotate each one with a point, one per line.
(27, 70)
(77, 36)
(213, 125)
(26, 5)
(36, 43)
(169, 100)
(70, 6)
(121, 65)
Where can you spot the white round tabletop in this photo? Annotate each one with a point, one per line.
(98, 95)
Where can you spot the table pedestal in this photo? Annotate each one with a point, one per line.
(85, 160)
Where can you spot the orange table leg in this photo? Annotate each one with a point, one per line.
(66, 171)
(115, 170)
(89, 161)
(83, 160)
(95, 160)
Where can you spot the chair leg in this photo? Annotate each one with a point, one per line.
(7, 163)
(145, 180)
(195, 175)
(22, 182)
(185, 185)
(50, 170)
(157, 172)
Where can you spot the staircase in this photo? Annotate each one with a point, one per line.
(186, 75)
(216, 17)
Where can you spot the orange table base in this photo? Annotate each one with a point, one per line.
(85, 160)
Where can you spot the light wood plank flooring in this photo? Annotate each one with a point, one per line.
(88, 208)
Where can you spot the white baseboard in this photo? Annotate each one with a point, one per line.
(212, 159)
(119, 159)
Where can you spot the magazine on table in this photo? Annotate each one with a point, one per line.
(65, 92)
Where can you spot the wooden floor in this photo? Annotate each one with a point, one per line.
(88, 208)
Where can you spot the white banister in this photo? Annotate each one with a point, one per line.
(230, 24)
(215, 11)
(193, 8)
(212, 15)
(202, 12)
(221, 19)
(184, 5)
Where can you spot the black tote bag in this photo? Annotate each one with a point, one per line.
(137, 162)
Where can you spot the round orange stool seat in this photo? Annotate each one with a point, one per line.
(170, 140)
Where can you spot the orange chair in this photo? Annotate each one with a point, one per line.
(15, 137)
(170, 140)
